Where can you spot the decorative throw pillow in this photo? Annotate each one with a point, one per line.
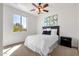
(47, 32)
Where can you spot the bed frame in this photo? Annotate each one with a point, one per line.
(53, 27)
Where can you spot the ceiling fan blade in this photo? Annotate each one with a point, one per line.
(39, 10)
(39, 3)
(33, 10)
(46, 5)
(46, 10)
(34, 5)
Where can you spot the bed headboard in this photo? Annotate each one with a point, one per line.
(53, 27)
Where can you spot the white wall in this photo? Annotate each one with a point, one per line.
(1, 27)
(78, 26)
(10, 37)
(67, 20)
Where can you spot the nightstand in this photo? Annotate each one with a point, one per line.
(66, 41)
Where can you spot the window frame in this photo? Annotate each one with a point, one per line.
(21, 20)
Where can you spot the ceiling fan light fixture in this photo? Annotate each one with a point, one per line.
(40, 8)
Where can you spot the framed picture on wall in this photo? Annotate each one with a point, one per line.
(51, 20)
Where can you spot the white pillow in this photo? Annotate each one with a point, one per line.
(47, 29)
(53, 31)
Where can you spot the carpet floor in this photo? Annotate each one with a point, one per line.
(59, 51)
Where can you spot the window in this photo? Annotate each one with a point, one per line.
(19, 23)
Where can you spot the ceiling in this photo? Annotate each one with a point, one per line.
(52, 6)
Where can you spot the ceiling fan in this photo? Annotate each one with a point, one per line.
(40, 7)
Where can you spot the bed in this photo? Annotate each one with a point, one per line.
(41, 43)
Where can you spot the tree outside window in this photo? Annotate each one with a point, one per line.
(19, 23)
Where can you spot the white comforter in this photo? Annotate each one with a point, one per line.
(40, 43)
